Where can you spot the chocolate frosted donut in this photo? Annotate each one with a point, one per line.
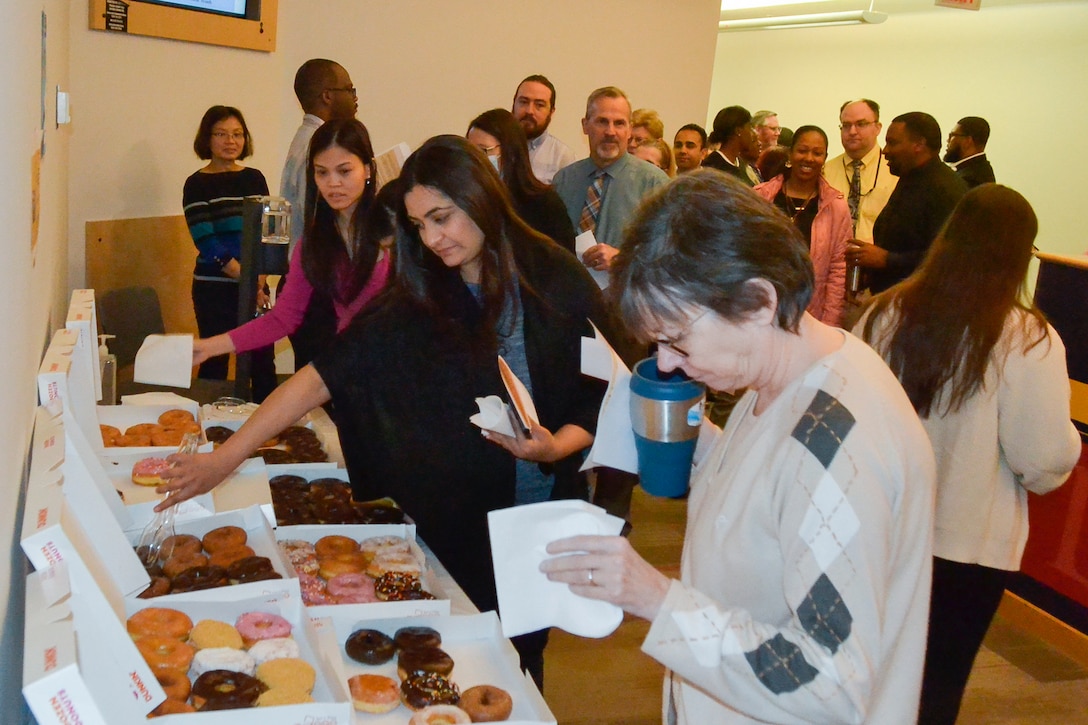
(199, 578)
(415, 637)
(427, 689)
(376, 513)
(160, 585)
(286, 482)
(218, 433)
(424, 660)
(252, 569)
(226, 690)
(370, 647)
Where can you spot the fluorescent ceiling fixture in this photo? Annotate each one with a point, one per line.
(730, 5)
(783, 22)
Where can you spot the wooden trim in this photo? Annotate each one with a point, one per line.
(1079, 262)
(1078, 403)
(1034, 621)
(162, 21)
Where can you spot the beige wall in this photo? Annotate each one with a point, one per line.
(421, 68)
(1022, 68)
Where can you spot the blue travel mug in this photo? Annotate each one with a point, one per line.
(666, 413)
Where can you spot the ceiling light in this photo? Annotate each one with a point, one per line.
(781, 22)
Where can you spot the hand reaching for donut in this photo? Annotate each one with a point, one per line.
(609, 569)
(192, 475)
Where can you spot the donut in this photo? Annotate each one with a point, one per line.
(159, 621)
(374, 693)
(352, 588)
(175, 683)
(209, 634)
(252, 569)
(276, 648)
(229, 556)
(225, 690)
(146, 472)
(179, 544)
(283, 696)
(388, 585)
(223, 658)
(355, 563)
(328, 546)
(170, 706)
(313, 590)
(424, 660)
(288, 481)
(426, 689)
(162, 651)
(200, 578)
(218, 434)
(160, 585)
(110, 434)
(133, 441)
(415, 637)
(394, 561)
(406, 595)
(440, 715)
(255, 626)
(370, 647)
(176, 417)
(376, 513)
(177, 564)
(224, 537)
(141, 429)
(287, 672)
(382, 544)
(189, 427)
(167, 437)
(487, 703)
(276, 456)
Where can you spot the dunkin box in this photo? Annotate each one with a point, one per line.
(481, 656)
(125, 416)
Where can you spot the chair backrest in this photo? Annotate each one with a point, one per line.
(131, 314)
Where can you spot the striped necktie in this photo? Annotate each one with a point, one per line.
(592, 209)
(853, 200)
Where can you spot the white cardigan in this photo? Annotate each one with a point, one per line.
(1013, 436)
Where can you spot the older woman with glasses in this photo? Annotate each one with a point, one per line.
(804, 580)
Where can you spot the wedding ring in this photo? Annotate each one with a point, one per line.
(589, 575)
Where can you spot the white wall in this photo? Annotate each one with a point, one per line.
(33, 290)
(1022, 68)
(421, 68)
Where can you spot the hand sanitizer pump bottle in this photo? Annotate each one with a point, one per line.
(107, 361)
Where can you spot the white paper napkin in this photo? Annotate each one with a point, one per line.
(165, 360)
(614, 443)
(582, 242)
(492, 416)
(159, 397)
(528, 601)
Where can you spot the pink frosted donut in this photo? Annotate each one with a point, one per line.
(147, 472)
(352, 589)
(313, 590)
(255, 626)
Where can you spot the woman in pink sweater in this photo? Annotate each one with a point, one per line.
(822, 216)
(341, 254)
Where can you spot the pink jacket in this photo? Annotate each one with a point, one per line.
(831, 229)
(291, 305)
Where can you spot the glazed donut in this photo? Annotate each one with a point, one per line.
(170, 706)
(160, 585)
(424, 660)
(223, 658)
(352, 589)
(141, 429)
(161, 651)
(231, 555)
(255, 626)
(175, 683)
(355, 563)
(379, 545)
(167, 437)
(394, 561)
(283, 696)
(176, 417)
(287, 672)
(328, 546)
(200, 578)
(440, 715)
(416, 637)
(209, 634)
(110, 434)
(426, 689)
(225, 690)
(277, 648)
(159, 621)
(224, 537)
(178, 545)
(370, 647)
(146, 472)
(487, 703)
(136, 440)
(179, 563)
(374, 693)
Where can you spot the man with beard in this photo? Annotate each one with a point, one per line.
(966, 151)
(534, 106)
(923, 199)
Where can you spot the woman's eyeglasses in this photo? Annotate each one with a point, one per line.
(674, 343)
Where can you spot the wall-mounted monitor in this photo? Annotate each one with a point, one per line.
(249, 24)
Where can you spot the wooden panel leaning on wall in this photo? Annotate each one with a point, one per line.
(153, 251)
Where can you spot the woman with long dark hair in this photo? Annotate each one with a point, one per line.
(473, 282)
(502, 139)
(987, 375)
(341, 259)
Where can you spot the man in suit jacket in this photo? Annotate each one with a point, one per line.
(738, 141)
(966, 151)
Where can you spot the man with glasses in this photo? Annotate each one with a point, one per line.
(861, 172)
(966, 151)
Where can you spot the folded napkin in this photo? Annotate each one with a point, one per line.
(159, 398)
(494, 416)
(165, 360)
(582, 242)
(528, 601)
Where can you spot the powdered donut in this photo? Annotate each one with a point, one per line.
(277, 648)
(222, 658)
(382, 544)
